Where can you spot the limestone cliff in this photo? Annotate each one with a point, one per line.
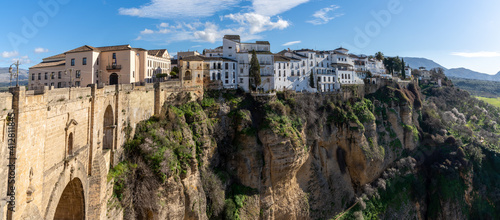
(289, 156)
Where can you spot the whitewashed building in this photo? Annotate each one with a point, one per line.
(234, 49)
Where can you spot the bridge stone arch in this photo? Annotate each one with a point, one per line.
(71, 205)
(72, 188)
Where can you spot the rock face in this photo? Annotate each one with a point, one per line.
(294, 156)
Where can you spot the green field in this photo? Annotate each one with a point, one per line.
(491, 101)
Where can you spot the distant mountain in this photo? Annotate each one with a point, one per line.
(415, 63)
(470, 74)
(5, 75)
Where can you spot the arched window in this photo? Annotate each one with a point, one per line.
(187, 75)
(70, 144)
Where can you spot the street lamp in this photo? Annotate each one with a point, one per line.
(16, 74)
(70, 76)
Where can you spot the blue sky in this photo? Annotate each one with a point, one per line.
(454, 33)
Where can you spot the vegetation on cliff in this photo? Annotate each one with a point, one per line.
(396, 153)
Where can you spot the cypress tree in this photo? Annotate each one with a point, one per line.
(403, 71)
(255, 70)
(311, 80)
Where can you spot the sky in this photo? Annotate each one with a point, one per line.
(454, 33)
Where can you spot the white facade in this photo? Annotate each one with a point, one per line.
(217, 52)
(233, 49)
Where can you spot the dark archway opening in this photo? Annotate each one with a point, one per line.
(71, 205)
(341, 154)
(113, 79)
(108, 129)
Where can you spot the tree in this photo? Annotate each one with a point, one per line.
(311, 80)
(255, 70)
(392, 64)
(379, 56)
(388, 65)
(403, 71)
(175, 71)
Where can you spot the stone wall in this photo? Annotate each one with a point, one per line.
(5, 108)
(60, 138)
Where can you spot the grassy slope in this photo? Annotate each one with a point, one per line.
(492, 101)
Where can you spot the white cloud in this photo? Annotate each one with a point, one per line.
(274, 7)
(164, 9)
(322, 16)
(292, 43)
(257, 23)
(481, 54)
(147, 31)
(24, 60)
(195, 46)
(198, 32)
(41, 50)
(9, 54)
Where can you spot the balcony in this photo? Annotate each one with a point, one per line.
(114, 67)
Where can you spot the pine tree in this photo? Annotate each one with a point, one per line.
(311, 80)
(255, 70)
(379, 56)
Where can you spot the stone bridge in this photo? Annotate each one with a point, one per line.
(64, 142)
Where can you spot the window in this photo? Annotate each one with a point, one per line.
(78, 74)
(241, 80)
(84, 61)
(52, 75)
(219, 66)
(241, 70)
(72, 62)
(227, 65)
(97, 61)
(77, 83)
(234, 75)
(215, 66)
(51, 84)
(213, 76)
(227, 81)
(46, 76)
(293, 73)
(59, 75)
(59, 85)
(33, 76)
(279, 73)
(39, 76)
(226, 75)
(234, 66)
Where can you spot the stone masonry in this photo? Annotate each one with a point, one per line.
(66, 141)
